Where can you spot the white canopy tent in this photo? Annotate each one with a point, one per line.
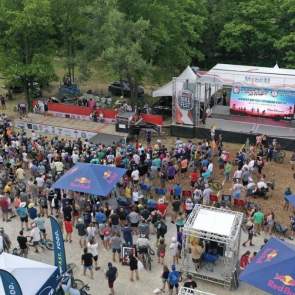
(31, 275)
(252, 76)
(167, 89)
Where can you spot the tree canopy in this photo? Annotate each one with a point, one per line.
(135, 38)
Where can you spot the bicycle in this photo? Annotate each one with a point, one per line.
(146, 259)
(44, 243)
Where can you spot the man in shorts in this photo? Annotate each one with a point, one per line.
(87, 262)
(22, 242)
(111, 275)
(173, 280)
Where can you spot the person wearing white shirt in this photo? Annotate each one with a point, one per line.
(35, 236)
(237, 175)
(92, 248)
(173, 247)
(135, 196)
(210, 168)
(135, 175)
(40, 181)
(75, 157)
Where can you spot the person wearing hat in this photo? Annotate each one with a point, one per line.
(111, 275)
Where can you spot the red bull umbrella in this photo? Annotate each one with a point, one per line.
(272, 270)
(92, 179)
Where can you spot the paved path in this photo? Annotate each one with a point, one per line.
(148, 282)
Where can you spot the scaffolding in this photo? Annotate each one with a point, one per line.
(188, 291)
(223, 228)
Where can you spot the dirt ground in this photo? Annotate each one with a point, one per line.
(280, 173)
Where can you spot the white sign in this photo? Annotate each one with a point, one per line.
(53, 130)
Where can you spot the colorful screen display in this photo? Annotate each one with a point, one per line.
(262, 101)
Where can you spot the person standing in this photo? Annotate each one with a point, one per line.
(164, 276)
(22, 242)
(258, 219)
(87, 262)
(250, 229)
(111, 275)
(133, 264)
(116, 244)
(92, 248)
(81, 228)
(35, 236)
(173, 280)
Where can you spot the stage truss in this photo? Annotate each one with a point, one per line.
(224, 274)
(188, 291)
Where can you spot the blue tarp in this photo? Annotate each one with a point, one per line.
(92, 179)
(291, 199)
(272, 270)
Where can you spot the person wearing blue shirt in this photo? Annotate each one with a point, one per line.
(22, 212)
(177, 191)
(205, 163)
(100, 217)
(173, 279)
(32, 211)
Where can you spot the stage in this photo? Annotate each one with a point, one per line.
(70, 128)
(237, 129)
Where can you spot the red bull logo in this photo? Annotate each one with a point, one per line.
(267, 255)
(287, 280)
(286, 286)
(109, 176)
(81, 182)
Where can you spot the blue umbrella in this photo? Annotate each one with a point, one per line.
(272, 269)
(92, 179)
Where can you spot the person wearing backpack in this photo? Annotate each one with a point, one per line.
(161, 229)
(174, 278)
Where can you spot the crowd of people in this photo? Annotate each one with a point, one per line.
(160, 181)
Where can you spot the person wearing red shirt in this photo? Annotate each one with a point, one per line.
(245, 260)
(194, 177)
(4, 205)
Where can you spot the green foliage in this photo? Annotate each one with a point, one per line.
(138, 38)
(26, 46)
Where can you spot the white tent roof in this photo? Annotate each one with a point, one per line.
(219, 223)
(252, 76)
(31, 275)
(166, 90)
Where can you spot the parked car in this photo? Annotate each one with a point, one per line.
(163, 107)
(116, 88)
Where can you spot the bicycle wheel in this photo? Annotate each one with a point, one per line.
(49, 245)
(78, 284)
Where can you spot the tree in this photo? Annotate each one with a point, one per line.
(175, 31)
(25, 45)
(251, 35)
(123, 48)
(286, 42)
(70, 23)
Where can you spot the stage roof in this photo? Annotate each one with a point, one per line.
(230, 75)
(219, 223)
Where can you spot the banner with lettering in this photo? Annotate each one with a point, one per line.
(59, 247)
(10, 284)
(264, 102)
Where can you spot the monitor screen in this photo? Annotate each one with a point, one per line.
(265, 102)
